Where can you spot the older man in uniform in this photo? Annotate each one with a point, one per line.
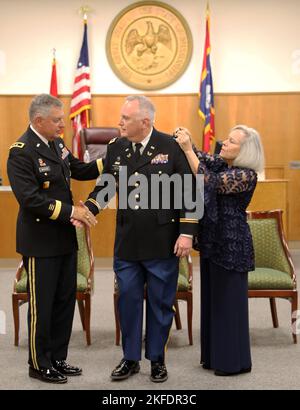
(148, 241)
(39, 168)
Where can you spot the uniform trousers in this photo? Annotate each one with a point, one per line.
(52, 295)
(161, 276)
(225, 341)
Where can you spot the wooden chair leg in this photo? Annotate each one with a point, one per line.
(190, 316)
(87, 318)
(177, 316)
(81, 312)
(117, 320)
(274, 312)
(15, 305)
(294, 316)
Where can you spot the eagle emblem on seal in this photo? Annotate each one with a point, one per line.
(149, 40)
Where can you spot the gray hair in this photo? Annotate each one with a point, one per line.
(145, 104)
(42, 104)
(251, 154)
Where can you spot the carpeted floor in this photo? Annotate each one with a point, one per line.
(276, 363)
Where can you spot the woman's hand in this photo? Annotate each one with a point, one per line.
(183, 138)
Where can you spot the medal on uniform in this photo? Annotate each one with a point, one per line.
(64, 153)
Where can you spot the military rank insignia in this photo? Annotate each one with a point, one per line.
(42, 163)
(160, 159)
(46, 184)
(17, 145)
(43, 167)
(112, 140)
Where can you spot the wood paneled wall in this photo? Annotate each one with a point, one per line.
(275, 116)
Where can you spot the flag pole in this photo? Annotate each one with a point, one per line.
(84, 11)
(81, 97)
(206, 95)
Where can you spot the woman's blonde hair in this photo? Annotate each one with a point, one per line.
(251, 154)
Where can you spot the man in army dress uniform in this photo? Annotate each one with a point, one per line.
(39, 168)
(148, 241)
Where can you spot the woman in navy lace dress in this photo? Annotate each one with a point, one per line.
(225, 245)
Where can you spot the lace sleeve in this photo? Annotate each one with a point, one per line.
(228, 181)
(212, 162)
(236, 180)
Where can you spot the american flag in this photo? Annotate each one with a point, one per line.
(206, 93)
(81, 98)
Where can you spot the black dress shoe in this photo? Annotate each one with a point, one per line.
(48, 375)
(125, 369)
(64, 368)
(221, 373)
(159, 372)
(206, 366)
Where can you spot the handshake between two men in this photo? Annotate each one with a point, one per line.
(81, 216)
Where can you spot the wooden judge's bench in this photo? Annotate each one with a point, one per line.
(269, 194)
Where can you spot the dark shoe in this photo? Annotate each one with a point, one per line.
(64, 368)
(221, 373)
(159, 372)
(125, 369)
(206, 366)
(248, 370)
(48, 375)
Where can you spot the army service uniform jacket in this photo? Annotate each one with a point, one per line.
(40, 180)
(143, 234)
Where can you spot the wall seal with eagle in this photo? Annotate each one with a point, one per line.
(149, 45)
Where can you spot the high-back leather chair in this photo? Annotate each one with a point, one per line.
(85, 282)
(274, 275)
(95, 140)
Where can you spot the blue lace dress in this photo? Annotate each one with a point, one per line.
(224, 235)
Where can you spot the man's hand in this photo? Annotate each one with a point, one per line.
(82, 215)
(183, 246)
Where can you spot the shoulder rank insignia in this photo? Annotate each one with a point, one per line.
(17, 145)
(112, 140)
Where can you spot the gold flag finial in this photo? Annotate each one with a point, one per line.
(84, 11)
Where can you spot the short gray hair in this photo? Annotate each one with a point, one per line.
(145, 104)
(42, 104)
(251, 154)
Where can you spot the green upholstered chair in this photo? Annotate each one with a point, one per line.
(85, 281)
(184, 292)
(274, 275)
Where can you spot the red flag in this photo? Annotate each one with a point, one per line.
(206, 93)
(81, 98)
(53, 83)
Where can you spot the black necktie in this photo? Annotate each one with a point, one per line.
(137, 152)
(52, 147)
